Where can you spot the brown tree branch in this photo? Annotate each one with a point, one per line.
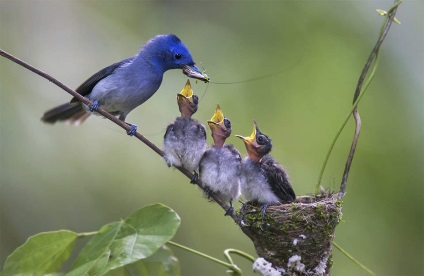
(112, 118)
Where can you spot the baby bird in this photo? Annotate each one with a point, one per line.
(220, 166)
(264, 180)
(185, 138)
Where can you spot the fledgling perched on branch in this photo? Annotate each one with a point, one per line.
(264, 180)
(185, 138)
(220, 166)
(123, 86)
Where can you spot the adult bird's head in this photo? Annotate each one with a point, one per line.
(257, 144)
(187, 101)
(220, 127)
(169, 52)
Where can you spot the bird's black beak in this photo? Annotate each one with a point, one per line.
(194, 72)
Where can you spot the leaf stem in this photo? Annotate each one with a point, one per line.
(87, 234)
(353, 259)
(227, 253)
(231, 265)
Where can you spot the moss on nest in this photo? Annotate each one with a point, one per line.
(303, 228)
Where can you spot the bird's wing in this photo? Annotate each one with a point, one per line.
(85, 88)
(202, 164)
(169, 128)
(234, 151)
(203, 131)
(278, 180)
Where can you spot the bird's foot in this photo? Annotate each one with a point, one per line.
(244, 211)
(208, 192)
(263, 211)
(244, 206)
(133, 129)
(195, 178)
(95, 106)
(230, 209)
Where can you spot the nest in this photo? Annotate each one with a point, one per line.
(297, 237)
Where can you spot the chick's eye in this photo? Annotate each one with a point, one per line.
(178, 56)
(227, 123)
(195, 99)
(261, 139)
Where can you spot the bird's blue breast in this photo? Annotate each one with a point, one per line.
(126, 88)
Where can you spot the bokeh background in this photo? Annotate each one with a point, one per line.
(80, 178)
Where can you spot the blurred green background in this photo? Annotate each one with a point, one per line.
(79, 178)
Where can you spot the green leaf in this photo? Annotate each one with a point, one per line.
(384, 13)
(41, 253)
(137, 237)
(94, 267)
(162, 263)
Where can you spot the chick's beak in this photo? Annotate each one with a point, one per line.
(217, 119)
(186, 93)
(194, 72)
(219, 130)
(218, 116)
(251, 144)
(185, 100)
(249, 140)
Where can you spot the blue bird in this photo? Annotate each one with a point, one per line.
(123, 86)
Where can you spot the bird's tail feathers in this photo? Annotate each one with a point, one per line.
(72, 113)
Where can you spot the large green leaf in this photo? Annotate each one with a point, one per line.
(161, 263)
(41, 253)
(135, 238)
(94, 267)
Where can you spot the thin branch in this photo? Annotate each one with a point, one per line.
(230, 265)
(351, 153)
(373, 57)
(350, 257)
(359, 91)
(113, 119)
(383, 34)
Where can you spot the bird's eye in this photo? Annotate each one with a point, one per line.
(195, 99)
(178, 56)
(261, 140)
(227, 123)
